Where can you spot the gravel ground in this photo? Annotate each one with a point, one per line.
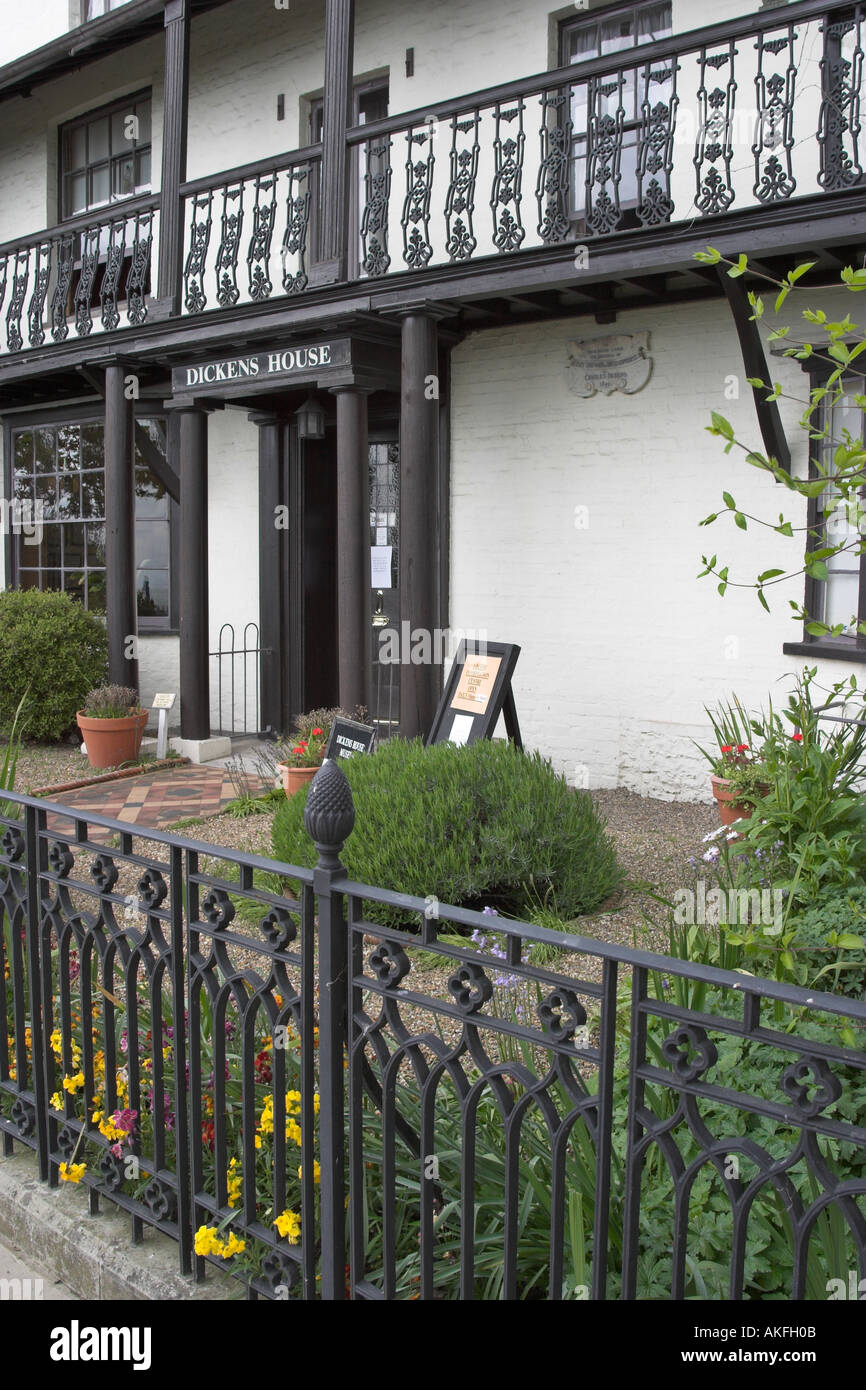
(48, 764)
(653, 840)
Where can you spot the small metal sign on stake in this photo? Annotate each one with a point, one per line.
(163, 703)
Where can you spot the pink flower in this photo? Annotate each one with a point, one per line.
(117, 1150)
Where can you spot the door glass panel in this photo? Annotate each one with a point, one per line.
(384, 703)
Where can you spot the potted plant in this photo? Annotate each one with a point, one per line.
(738, 775)
(112, 724)
(303, 752)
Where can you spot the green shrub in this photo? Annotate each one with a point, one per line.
(484, 825)
(826, 937)
(53, 651)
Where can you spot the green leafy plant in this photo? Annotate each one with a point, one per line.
(839, 344)
(52, 651)
(9, 766)
(111, 702)
(473, 825)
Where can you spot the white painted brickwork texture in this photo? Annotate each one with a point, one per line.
(622, 645)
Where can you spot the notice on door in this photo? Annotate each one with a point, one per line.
(477, 680)
(380, 566)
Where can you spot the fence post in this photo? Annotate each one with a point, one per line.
(329, 816)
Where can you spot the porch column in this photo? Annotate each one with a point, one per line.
(353, 546)
(419, 522)
(194, 617)
(174, 139)
(121, 616)
(337, 116)
(271, 618)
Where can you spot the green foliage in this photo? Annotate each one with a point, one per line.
(480, 825)
(111, 702)
(841, 476)
(830, 938)
(9, 765)
(52, 651)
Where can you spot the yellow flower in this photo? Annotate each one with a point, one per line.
(289, 1224)
(293, 1131)
(206, 1241)
(293, 1102)
(57, 1101)
(56, 1041)
(232, 1246)
(73, 1083)
(316, 1103)
(266, 1123)
(258, 1141)
(317, 1171)
(234, 1182)
(72, 1172)
(99, 1063)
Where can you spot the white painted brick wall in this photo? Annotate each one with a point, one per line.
(621, 645)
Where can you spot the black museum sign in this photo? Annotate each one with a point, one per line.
(305, 360)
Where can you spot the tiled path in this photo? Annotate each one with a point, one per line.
(155, 799)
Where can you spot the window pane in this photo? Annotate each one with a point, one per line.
(842, 596)
(73, 546)
(142, 172)
(97, 140)
(92, 452)
(50, 553)
(68, 447)
(46, 494)
(28, 579)
(23, 452)
(44, 451)
(96, 591)
(95, 545)
(23, 486)
(123, 182)
(75, 148)
(52, 579)
(73, 583)
(142, 111)
(93, 496)
(152, 586)
(151, 544)
(100, 185)
(76, 194)
(69, 496)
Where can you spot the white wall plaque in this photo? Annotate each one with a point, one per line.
(618, 362)
(164, 701)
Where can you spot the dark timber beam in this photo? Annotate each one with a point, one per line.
(158, 465)
(419, 523)
(174, 140)
(194, 613)
(755, 363)
(120, 602)
(353, 546)
(337, 110)
(271, 624)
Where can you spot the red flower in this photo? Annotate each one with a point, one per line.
(742, 748)
(726, 748)
(798, 738)
(262, 1066)
(316, 731)
(298, 748)
(207, 1135)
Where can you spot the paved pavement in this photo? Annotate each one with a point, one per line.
(23, 1279)
(154, 799)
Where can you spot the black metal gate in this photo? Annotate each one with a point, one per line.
(235, 701)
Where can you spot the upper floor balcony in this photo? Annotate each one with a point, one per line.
(750, 126)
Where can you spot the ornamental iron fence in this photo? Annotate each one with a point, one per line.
(334, 1090)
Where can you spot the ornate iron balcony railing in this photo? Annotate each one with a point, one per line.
(746, 115)
(738, 115)
(90, 273)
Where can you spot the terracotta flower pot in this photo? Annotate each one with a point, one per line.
(111, 742)
(295, 777)
(729, 808)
